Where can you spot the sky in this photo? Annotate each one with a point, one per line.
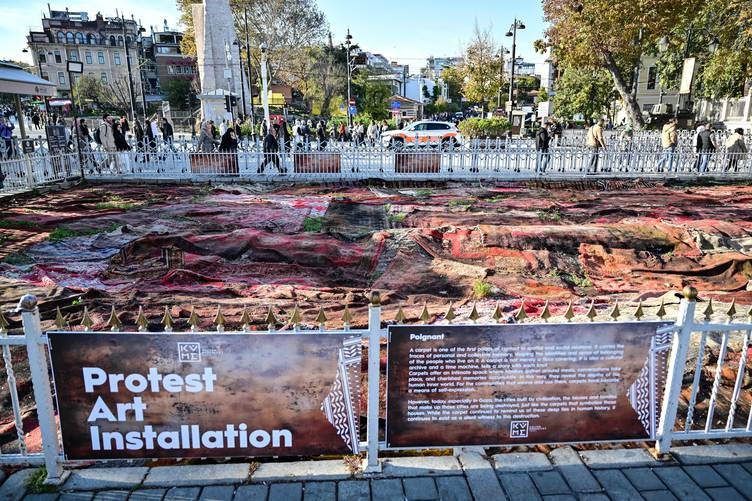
(405, 31)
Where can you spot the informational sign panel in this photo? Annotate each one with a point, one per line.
(208, 395)
(56, 141)
(450, 386)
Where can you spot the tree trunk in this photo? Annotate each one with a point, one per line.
(629, 101)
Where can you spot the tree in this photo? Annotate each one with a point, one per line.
(583, 91)
(320, 74)
(542, 95)
(90, 89)
(612, 35)
(371, 95)
(178, 90)
(481, 68)
(453, 80)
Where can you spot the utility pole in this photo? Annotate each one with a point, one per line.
(513, 33)
(128, 63)
(348, 43)
(248, 66)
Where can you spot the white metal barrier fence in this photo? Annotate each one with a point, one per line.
(672, 426)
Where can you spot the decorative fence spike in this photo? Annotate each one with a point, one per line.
(59, 319)
(661, 310)
(569, 314)
(86, 320)
(424, 315)
(615, 313)
(193, 319)
(219, 320)
(271, 320)
(167, 320)
(591, 313)
(3, 323)
(732, 310)
(245, 319)
(546, 313)
(141, 321)
(400, 316)
(639, 313)
(346, 317)
(474, 313)
(296, 317)
(521, 315)
(450, 315)
(321, 318)
(114, 322)
(708, 313)
(497, 315)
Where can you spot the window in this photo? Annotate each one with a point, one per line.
(652, 77)
(435, 126)
(112, 40)
(419, 127)
(91, 39)
(80, 38)
(117, 57)
(88, 57)
(45, 75)
(120, 40)
(170, 70)
(61, 78)
(58, 57)
(104, 78)
(42, 57)
(69, 38)
(100, 57)
(60, 37)
(73, 55)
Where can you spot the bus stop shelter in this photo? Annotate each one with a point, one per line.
(14, 80)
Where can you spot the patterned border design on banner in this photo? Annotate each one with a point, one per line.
(646, 393)
(340, 405)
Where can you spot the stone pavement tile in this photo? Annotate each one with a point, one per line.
(594, 497)
(724, 494)
(616, 484)
(47, 496)
(550, 482)
(618, 458)
(737, 476)
(748, 466)
(643, 479)
(452, 489)
(711, 454)
(519, 486)
(205, 474)
(75, 496)
(111, 496)
(14, 488)
(91, 479)
(663, 495)
(420, 466)
(182, 494)
(301, 471)
(578, 476)
(480, 475)
(217, 493)
(147, 495)
(319, 491)
(560, 497)
(422, 488)
(521, 462)
(680, 484)
(386, 489)
(705, 476)
(286, 492)
(254, 492)
(353, 490)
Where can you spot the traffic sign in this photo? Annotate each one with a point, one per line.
(396, 105)
(352, 102)
(353, 110)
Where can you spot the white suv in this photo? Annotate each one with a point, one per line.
(422, 133)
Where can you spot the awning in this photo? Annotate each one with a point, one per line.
(14, 80)
(59, 102)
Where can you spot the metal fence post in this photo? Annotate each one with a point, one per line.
(42, 389)
(374, 343)
(679, 349)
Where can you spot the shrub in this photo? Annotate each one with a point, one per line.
(552, 214)
(397, 218)
(313, 224)
(482, 289)
(485, 127)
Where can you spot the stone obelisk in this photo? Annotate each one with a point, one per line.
(218, 59)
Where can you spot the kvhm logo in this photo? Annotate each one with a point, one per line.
(189, 352)
(518, 429)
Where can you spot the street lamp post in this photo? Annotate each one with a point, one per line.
(348, 44)
(265, 85)
(248, 66)
(128, 64)
(517, 25)
(230, 79)
(501, 55)
(242, 86)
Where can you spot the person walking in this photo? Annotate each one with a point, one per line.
(168, 134)
(706, 148)
(697, 144)
(206, 139)
(595, 142)
(736, 150)
(542, 140)
(271, 151)
(321, 134)
(6, 134)
(107, 140)
(138, 131)
(669, 140)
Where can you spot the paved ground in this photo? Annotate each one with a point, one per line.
(695, 473)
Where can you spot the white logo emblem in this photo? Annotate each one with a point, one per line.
(518, 429)
(189, 352)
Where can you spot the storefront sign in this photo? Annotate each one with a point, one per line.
(453, 386)
(208, 395)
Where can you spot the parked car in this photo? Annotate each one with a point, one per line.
(423, 133)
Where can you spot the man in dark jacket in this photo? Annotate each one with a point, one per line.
(705, 147)
(271, 150)
(542, 140)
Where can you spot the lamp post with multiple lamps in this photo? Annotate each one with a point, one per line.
(663, 46)
(350, 68)
(265, 84)
(517, 25)
(131, 92)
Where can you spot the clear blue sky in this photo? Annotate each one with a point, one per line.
(406, 31)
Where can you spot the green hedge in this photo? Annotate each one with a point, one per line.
(484, 127)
